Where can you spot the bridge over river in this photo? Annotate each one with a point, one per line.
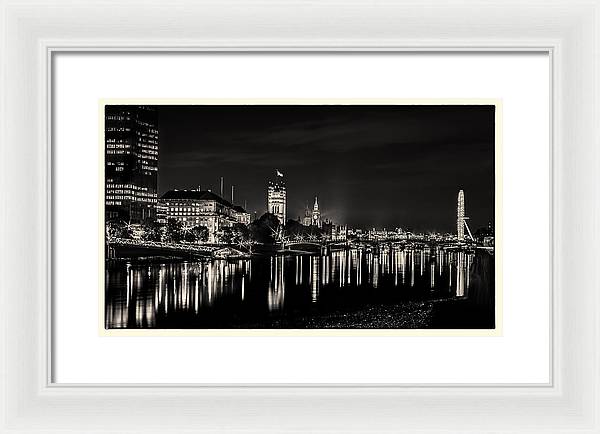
(127, 247)
(136, 248)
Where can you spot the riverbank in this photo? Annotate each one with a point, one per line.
(409, 315)
(432, 314)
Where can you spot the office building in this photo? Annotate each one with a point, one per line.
(131, 163)
(201, 208)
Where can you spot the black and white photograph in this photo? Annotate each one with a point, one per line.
(300, 216)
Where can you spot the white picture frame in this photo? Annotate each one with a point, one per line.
(33, 31)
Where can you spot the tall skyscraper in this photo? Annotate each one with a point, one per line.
(277, 197)
(316, 214)
(131, 162)
(460, 216)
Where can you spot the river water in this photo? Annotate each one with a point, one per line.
(389, 287)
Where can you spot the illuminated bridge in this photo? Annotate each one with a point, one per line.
(125, 246)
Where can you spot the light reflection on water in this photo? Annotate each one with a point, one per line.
(219, 292)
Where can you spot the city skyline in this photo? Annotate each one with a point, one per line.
(370, 166)
(355, 209)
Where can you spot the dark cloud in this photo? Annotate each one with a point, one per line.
(370, 165)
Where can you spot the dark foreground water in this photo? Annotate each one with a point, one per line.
(391, 287)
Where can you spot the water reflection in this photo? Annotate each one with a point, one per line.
(220, 292)
(276, 284)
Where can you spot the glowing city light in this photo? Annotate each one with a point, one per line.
(460, 218)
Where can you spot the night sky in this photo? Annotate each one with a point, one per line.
(371, 166)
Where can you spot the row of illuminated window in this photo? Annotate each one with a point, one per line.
(188, 205)
(277, 188)
(128, 197)
(187, 214)
(189, 210)
(211, 219)
(197, 209)
(147, 145)
(149, 150)
(151, 127)
(110, 184)
(204, 221)
(136, 193)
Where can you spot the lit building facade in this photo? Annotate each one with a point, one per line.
(201, 208)
(339, 232)
(241, 215)
(460, 216)
(162, 212)
(307, 219)
(316, 214)
(131, 163)
(277, 198)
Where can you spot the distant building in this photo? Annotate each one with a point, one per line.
(131, 162)
(355, 232)
(485, 236)
(241, 215)
(162, 212)
(384, 234)
(316, 214)
(339, 232)
(277, 197)
(307, 219)
(201, 208)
